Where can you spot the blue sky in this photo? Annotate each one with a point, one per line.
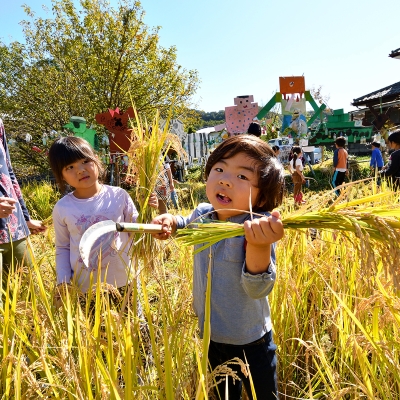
(242, 48)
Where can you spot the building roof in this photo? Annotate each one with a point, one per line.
(388, 93)
(395, 53)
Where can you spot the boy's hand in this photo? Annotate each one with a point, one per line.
(168, 223)
(153, 200)
(260, 234)
(264, 231)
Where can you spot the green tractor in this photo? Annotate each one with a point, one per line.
(358, 137)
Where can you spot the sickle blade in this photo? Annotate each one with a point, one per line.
(91, 235)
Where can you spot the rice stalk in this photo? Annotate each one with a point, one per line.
(352, 217)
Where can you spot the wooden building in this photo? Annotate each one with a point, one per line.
(381, 106)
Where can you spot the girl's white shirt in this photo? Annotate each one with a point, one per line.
(299, 164)
(72, 217)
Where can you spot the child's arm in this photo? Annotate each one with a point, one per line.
(300, 172)
(168, 222)
(260, 234)
(372, 163)
(62, 238)
(335, 157)
(153, 200)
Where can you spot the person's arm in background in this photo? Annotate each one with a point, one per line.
(394, 165)
(372, 164)
(300, 171)
(168, 171)
(33, 225)
(171, 180)
(335, 157)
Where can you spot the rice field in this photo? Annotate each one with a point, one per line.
(335, 310)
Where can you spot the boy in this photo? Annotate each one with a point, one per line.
(243, 268)
(376, 159)
(340, 162)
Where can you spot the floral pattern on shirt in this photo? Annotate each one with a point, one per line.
(14, 227)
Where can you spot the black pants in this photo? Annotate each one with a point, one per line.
(338, 179)
(262, 362)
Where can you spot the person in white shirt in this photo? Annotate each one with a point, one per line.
(74, 162)
(296, 169)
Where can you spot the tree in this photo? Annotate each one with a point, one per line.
(82, 62)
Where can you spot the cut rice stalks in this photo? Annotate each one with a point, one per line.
(362, 217)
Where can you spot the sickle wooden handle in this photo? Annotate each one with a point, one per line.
(133, 227)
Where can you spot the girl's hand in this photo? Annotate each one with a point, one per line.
(168, 223)
(153, 200)
(60, 293)
(264, 231)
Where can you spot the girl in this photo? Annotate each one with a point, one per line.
(296, 169)
(392, 170)
(241, 168)
(73, 162)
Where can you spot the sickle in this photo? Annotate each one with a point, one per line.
(100, 228)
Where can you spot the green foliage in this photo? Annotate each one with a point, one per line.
(213, 115)
(195, 174)
(82, 62)
(208, 119)
(40, 198)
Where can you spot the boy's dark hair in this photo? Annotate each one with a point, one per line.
(275, 148)
(376, 144)
(271, 181)
(340, 141)
(67, 150)
(254, 129)
(395, 136)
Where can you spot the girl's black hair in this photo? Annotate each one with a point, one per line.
(67, 150)
(271, 181)
(275, 148)
(296, 150)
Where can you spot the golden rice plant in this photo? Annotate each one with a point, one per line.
(360, 215)
(335, 311)
(40, 199)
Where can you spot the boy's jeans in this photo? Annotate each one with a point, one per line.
(262, 360)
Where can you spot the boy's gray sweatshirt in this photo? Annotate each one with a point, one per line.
(240, 311)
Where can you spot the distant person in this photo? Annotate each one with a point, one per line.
(15, 222)
(392, 169)
(376, 157)
(276, 150)
(376, 163)
(254, 129)
(296, 169)
(165, 187)
(340, 163)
